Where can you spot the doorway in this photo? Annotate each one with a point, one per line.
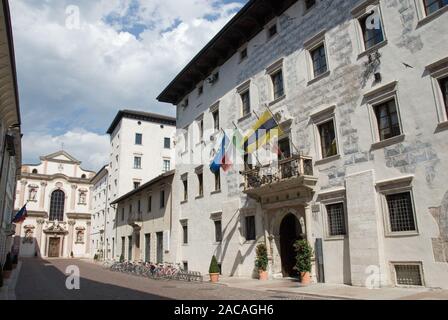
(159, 247)
(290, 232)
(54, 247)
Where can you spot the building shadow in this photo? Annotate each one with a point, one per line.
(40, 280)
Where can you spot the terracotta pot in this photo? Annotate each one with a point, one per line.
(214, 277)
(6, 274)
(263, 275)
(305, 278)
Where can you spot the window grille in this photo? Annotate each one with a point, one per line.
(336, 219)
(408, 275)
(319, 60)
(387, 119)
(277, 81)
(57, 205)
(401, 212)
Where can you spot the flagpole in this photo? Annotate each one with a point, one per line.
(256, 157)
(278, 124)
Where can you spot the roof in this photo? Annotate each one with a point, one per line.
(140, 115)
(245, 25)
(52, 156)
(144, 186)
(101, 173)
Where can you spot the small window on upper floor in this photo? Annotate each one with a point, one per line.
(432, 6)
(167, 143)
(372, 28)
(245, 102)
(309, 4)
(200, 90)
(35, 171)
(388, 121)
(138, 138)
(83, 176)
(328, 142)
(272, 31)
(277, 82)
(136, 184)
(243, 54)
(216, 120)
(444, 87)
(319, 60)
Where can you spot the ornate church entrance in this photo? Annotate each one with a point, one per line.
(290, 232)
(53, 247)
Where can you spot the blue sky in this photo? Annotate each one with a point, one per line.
(76, 71)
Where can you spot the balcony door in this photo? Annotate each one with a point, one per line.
(284, 146)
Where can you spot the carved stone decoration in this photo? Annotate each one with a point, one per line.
(32, 192)
(80, 235)
(82, 197)
(29, 234)
(59, 185)
(56, 228)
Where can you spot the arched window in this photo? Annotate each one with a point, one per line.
(35, 171)
(57, 206)
(83, 176)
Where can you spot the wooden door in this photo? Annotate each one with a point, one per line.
(54, 247)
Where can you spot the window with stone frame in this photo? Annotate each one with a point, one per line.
(218, 231)
(122, 214)
(166, 165)
(185, 185)
(250, 228)
(277, 83)
(217, 175)
(200, 184)
(328, 141)
(336, 219)
(243, 54)
(215, 115)
(137, 162)
(371, 35)
(309, 4)
(185, 233)
(138, 138)
(432, 6)
(272, 31)
(444, 87)
(319, 60)
(162, 199)
(387, 119)
(167, 143)
(245, 102)
(149, 203)
(401, 212)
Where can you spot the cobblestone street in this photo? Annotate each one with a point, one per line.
(45, 279)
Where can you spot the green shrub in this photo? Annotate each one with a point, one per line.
(261, 262)
(304, 253)
(214, 267)
(8, 263)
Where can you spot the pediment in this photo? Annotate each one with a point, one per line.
(61, 156)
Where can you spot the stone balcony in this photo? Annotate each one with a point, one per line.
(295, 172)
(135, 220)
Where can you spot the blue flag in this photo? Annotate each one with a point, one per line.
(21, 215)
(220, 157)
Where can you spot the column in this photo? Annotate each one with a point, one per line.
(310, 239)
(71, 226)
(73, 197)
(89, 224)
(43, 186)
(40, 224)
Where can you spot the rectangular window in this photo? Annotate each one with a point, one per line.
(444, 87)
(123, 244)
(309, 4)
(328, 139)
(319, 59)
(137, 162)
(185, 234)
(130, 209)
(200, 184)
(218, 180)
(149, 203)
(245, 102)
(185, 184)
(387, 119)
(166, 165)
(162, 199)
(401, 212)
(136, 184)
(167, 143)
(201, 130)
(277, 82)
(243, 54)
(250, 228)
(284, 149)
(371, 34)
(139, 206)
(185, 266)
(138, 138)
(200, 90)
(148, 247)
(408, 275)
(272, 31)
(336, 219)
(122, 214)
(216, 120)
(432, 6)
(218, 231)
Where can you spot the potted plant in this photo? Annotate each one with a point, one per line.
(261, 262)
(304, 253)
(7, 268)
(214, 270)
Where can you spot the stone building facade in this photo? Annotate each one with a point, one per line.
(57, 193)
(360, 91)
(99, 208)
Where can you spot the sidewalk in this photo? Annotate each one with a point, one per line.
(8, 291)
(335, 291)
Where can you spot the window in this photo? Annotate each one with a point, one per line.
(139, 206)
(201, 129)
(277, 82)
(57, 204)
(372, 33)
(216, 120)
(284, 148)
(35, 171)
(138, 138)
(243, 54)
(137, 162)
(401, 212)
(218, 231)
(218, 180)
(432, 6)
(149, 203)
(309, 4)
(319, 60)
(444, 87)
(136, 184)
(200, 184)
(250, 228)
(245, 100)
(122, 214)
(185, 233)
(387, 120)
(272, 31)
(167, 143)
(162, 199)
(185, 265)
(123, 243)
(336, 219)
(130, 209)
(408, 274)
(185, 184)
(200, 90)
(166, 165)
(328, 139)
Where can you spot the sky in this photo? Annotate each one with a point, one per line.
(80, 61)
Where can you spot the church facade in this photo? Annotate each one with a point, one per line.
(57, 193)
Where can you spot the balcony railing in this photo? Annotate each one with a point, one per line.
(294, 167)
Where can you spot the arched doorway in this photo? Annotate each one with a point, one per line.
(290, 232)
(57, 205)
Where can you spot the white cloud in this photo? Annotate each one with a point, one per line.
(90, 148)
(80, 78)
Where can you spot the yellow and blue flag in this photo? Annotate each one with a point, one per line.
(261, 133)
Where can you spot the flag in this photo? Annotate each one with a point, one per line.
(220, 157)
(234, 150)
(21, 215)
(262, 132)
